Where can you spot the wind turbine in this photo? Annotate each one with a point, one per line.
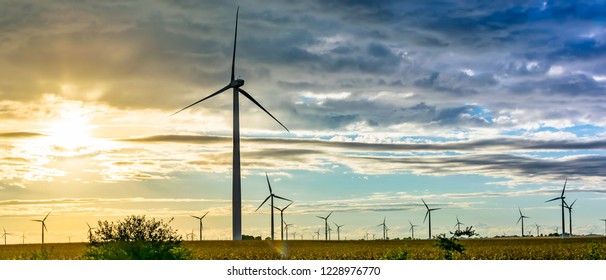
(69, 239)
(412, 229)
(604, 226)
(201, 227)
(23, 238)
(318, 234)
(569, 207)
(458, 224)
(236, 85)
(43, 225)
(4, 235)
(384, 228)
(286, 229)
(561, 197)
(282, 221)
(366, 235)
(538, 226)
(325, 225)
(90, 232)
(338, 231)
(522, 217)
(428, 214)
(271, 195)
(329, 232)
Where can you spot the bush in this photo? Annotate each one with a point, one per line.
(451, 245)
(397, 254)
(136, 238)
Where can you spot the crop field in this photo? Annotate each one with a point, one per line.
(475, 249)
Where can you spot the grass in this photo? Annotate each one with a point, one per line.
(579, 248)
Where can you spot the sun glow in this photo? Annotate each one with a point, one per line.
(71, 129)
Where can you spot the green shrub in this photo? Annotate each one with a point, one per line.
(397, 254)
(136, 238)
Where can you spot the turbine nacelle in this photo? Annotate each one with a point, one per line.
(236, 83)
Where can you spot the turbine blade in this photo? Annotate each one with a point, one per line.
(217, 92)
(320, 217)
(263, 203)
(196, 217)
(563, 189)
(233, 59)
(519, 220)
(268, 184)
(426, 214)
(204, 215)
(257, 103)
(329, 214)
(435, 209)
(44, 226)
(277, 196)
(46, 216)
(553, 199)
(287, 206)
(425, 204)
(573, 203)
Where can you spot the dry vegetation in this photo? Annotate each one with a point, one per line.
(476, 249)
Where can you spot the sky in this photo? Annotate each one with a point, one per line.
(480, 108)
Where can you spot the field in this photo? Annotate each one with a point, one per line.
(580, 248)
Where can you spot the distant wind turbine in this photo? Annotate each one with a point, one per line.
(569, 207)
(428, 213)
(286, 226)
(458, 224)
(43, 225)
(271, 195)
(282, 220)
(236, 85)
(90, 232)
(561, 197)
(604, 226)
(201, 226)
(329, 232)
(412, 229)
(5, 235)
(338, 231)
(23, 238)
(325, 225)
(318, 234)
(538, 226)
(384, 228)
(522, 217)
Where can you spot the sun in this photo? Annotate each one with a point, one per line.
(71, 129)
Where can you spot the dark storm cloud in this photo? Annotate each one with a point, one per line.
(163, 54)
(505, 144)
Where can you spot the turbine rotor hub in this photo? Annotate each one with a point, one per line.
(236, 83)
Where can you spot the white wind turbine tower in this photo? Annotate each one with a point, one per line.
(338, 231)
(325, 225)
(282, 221)
(538, 226)
(412, 229)
(384, 228)
(43, 225)
(201, 226)
(561, 197)
(569, 207)
(428, 213)
(271, 195)
(236, 85)
(522, 217)
(458, 224)
(286, 226)
(5, 235)
(90, 232)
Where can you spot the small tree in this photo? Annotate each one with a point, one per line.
(136, 238)
(451, 245)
